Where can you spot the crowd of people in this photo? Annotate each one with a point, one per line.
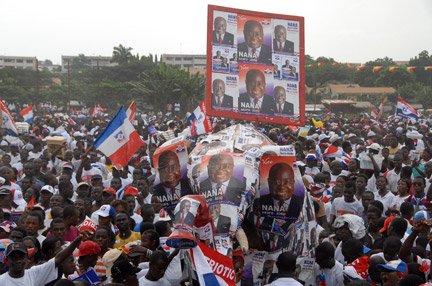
(68, 213)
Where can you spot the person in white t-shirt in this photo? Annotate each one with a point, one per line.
(158, 264)
(286, 264)
(17, 259)
(347, 204)
(327, 270)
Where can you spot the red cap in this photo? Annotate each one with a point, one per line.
(88, 247)
(387, 223)
(88, 224)
(110, 190)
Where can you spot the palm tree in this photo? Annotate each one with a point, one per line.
(121, 54)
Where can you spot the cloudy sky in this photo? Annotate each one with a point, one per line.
(348, 31)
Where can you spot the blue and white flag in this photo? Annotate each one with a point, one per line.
(405, 110)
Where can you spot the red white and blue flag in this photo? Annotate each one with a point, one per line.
(199, 121)
(97, 110)
(130, 112)
(72, 122)
(213, 268)
(28, 114)
(381, 108)
(7, 121)
(119, 140)
(374, 113)
(405, 110)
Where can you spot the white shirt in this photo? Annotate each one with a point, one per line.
(392, 179)
(252, 101)
(332, 276)
(161, 282)
(285, 282)
(36, 276)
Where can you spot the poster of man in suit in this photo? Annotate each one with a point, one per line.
(224, 180)
(281, 188)
(224, 28)
(171, 182)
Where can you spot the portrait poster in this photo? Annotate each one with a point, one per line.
(171, 183)
(281, 194)
(255, 52)
(185, 213)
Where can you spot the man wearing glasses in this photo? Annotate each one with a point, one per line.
(253, 49)
(220, 184)
(281, 202)
(255, 99)
(171, 187)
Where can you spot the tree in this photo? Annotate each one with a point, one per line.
(80, 63)
(121, 55)
(420, 61)
(47, 62)
(395, 78)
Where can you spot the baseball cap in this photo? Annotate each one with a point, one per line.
(374, 146)
(68, 166)
(109, 258)
(311, 156)
(16, 246)
(8, 226)
(395, 265)
(387, 223)
(2, 180)
(370, 134)
(88, 224)
(48, 188)
(83, 184)
(105, 210)
(322, 137)
(18, 197)
(123, 267)
(334, 138)
(351, 135)
(110, 190)
(88, 247)
(13, 144)
(96, 176)
(300, 163)
(163, 215)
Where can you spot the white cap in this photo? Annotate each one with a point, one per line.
(323, 136)
(48, 188)
(370, 134)
(334, 138)
(18, 197)
(374, 146)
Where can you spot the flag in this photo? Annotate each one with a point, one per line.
(360, 68)
(72, 122)
(130, 112)
(98, 109)
(309, 66)
(335, 64)
(377, 68)
(348, 64)
(213, 268)
(317, 123)
(381, 108)
(374, 113)
(405, 110)
(199, 121)
(7, 121)
(392, 69)
(119, 140)
(28, 114)
(428, 68)
(321, 63)
(410, 69)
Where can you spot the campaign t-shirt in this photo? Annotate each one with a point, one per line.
(340, 207)
(161, 282)
(36, 276)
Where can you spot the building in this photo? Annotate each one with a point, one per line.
(18, 62)
(94, 61)
(354, 91)
(185, 61)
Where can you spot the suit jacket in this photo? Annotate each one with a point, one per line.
(232, 194)
(294, 208)
(189, 219)
(216, 57)
(265, 55)
(227, 101)
(171, 201)
(287, 109)
(268, 105)
(228, 38)
(224, 224)
(288, 46)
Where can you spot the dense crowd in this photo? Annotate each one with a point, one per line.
(67, 210)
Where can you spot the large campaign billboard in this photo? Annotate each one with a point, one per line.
(255, 66)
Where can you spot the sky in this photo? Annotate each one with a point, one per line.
(345, 30)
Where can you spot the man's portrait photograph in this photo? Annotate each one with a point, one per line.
(254, 39)
(224, 180)
(281, 190)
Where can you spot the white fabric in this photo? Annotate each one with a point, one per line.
(36, 276)
(285, 282)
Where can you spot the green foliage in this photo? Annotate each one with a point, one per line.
(121, 55)
(396, 78)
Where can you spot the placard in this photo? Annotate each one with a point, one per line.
(257, 66)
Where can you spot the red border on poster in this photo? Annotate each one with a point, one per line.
(300, 120)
